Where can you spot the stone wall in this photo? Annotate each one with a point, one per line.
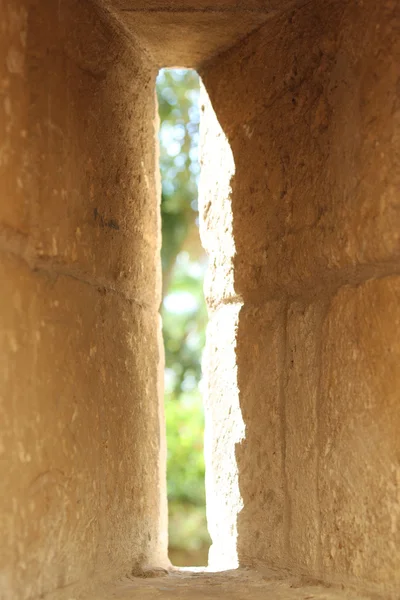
(300, 216)
(82, 435)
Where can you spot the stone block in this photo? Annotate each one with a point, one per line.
(301, 431)
(224, 430)
(215, 207)
(14, 91)
(314, 137)
(92, 141)
(359, 469)
(81, 436)
(262, 522)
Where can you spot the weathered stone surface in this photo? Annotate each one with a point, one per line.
(78, 107)
(301, 399)
(216, 224)
(245, 470)
(180, 36)
(224, 429)
(50, 499)
(262, 523)
(231, 585)
(80, 440)
(188, 33)
(309, 106)
(92, 137)
(14, 208)
(359, 425)
(199, 6)
(82, 443)
(300, 196)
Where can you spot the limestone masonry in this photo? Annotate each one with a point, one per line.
(300, 216)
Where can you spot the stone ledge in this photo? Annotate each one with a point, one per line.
(232, 585)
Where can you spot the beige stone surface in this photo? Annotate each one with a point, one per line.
(224, 430)
(189, 33)
(14, 208)
(231, 585)
(262, 523)
(199, 6)
(309, 106)
(75, 113)
(359, 467)
(91, 138)
(300, 217)
(216, 222)
(300, 197)
(178, 39)
(301, 415)
(80, 440)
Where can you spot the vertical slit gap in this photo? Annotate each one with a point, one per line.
(184, 314)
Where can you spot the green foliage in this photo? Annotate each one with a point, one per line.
(184, 320)
(186, 465)
(184, 313)
(178, 92)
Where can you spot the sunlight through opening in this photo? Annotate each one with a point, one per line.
(184, 314)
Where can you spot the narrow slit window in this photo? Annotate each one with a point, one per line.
(184, 314)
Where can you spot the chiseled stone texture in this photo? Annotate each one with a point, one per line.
(14, 207)
(80, 439)
(82, 451)
(224, 430)
(216, 223)
(301, 380)
(300, 197)
(78, 166)
(359, 426)
(309, 105)
(186, 33)
(239, 584)
(262, 523)
(91, 139)
(300, 151)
